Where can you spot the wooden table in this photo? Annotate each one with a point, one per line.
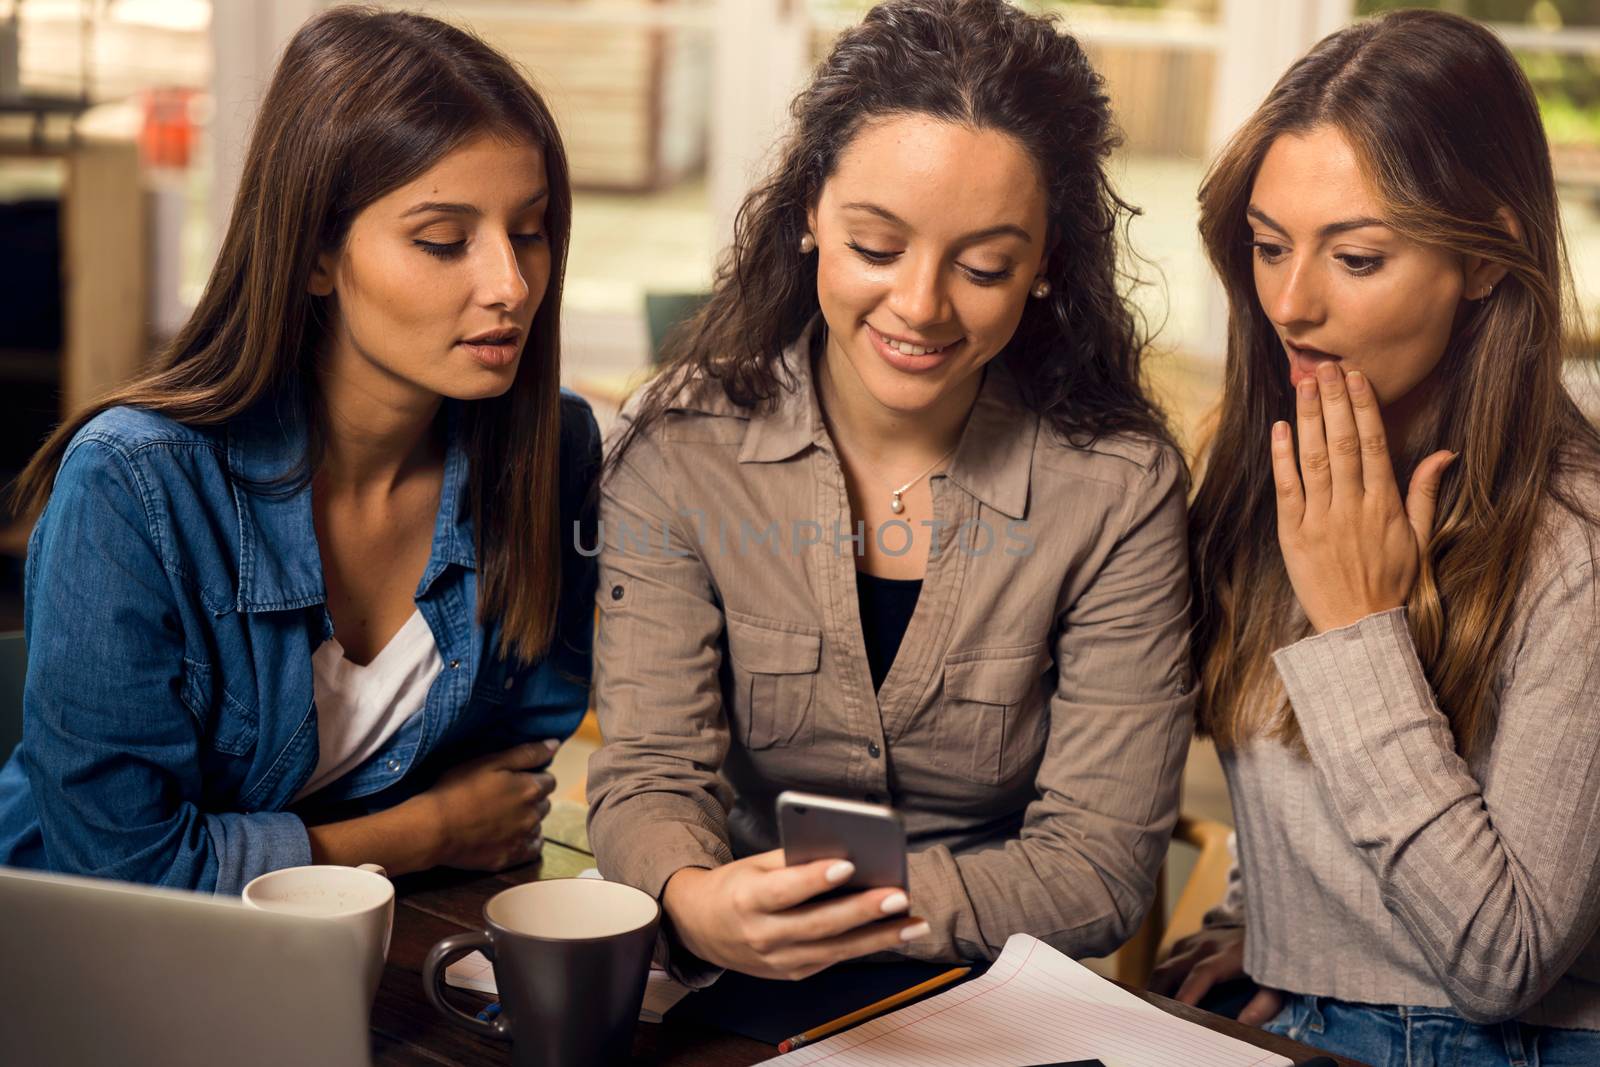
(407, 1031)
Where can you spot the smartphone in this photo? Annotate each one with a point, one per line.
(871, 836)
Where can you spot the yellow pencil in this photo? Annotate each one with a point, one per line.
(862, 1015)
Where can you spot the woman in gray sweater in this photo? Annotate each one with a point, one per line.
(1397, 610)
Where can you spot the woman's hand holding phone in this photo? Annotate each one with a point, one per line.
(758, 916)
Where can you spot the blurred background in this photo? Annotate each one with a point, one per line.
(122, 126)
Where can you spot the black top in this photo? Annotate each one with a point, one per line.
(886, 607)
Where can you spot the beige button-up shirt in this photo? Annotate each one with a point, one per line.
(1033, 726)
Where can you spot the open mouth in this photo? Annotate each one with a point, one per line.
(1307, 352)
(1304, 361)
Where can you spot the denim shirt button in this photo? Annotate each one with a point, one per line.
(394, 765)
(454, 664)
(510, 682)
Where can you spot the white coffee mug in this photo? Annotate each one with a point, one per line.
(361, 899)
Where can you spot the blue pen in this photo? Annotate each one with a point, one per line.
(488, 1014)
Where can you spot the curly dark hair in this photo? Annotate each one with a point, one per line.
(979, 63)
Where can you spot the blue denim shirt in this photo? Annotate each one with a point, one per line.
(172, 607)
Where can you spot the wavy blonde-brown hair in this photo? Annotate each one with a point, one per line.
(1446, 129)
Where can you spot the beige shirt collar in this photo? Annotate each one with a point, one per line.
(993, 461)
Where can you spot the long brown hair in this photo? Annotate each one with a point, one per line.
(1446, 129)
(362, 102)
(981, 63)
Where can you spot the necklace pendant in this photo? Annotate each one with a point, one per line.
(895, 505)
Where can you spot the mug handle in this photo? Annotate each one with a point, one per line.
(441, 956)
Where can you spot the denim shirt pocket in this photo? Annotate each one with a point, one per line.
(226, 724)
(988, 729)
(492, 684)
(774, 681)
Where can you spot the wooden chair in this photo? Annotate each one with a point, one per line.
(1204, 889)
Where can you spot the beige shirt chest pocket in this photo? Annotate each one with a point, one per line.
(774, 681)
(993, 726)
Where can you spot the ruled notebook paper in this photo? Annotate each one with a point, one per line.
(1033, 1006)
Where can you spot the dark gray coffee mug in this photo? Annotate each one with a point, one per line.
(571, 956)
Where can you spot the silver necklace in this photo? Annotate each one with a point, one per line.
(894, 503)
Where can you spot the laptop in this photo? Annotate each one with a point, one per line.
(94, 971)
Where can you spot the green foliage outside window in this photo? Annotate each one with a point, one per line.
(1545, 13)
(1568, 85)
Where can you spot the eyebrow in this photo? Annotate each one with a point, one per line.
(466, 209)
(1002, 230)
(1329, 230)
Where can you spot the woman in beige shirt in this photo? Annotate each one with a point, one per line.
(898, 523)
(1398, 514)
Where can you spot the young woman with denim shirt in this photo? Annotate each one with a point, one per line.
(1394, 560)
(301, 592)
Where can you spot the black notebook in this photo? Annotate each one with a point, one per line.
(768, 1010)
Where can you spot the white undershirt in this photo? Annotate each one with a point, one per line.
(360, 707)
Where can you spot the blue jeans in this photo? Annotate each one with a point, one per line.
(1400, 1036)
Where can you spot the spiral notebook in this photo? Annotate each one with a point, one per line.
(1033, 1006)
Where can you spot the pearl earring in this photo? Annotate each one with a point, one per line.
(1041, 289)
(808, 244)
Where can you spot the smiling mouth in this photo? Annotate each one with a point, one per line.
(910, 348)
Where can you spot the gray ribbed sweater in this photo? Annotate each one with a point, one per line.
(1387, 869)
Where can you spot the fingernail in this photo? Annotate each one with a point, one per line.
(552, 744)
(839, 872)
(1356, 380)
(895, 902)
(1280, 431)
(1308, 388)
(914, 931)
